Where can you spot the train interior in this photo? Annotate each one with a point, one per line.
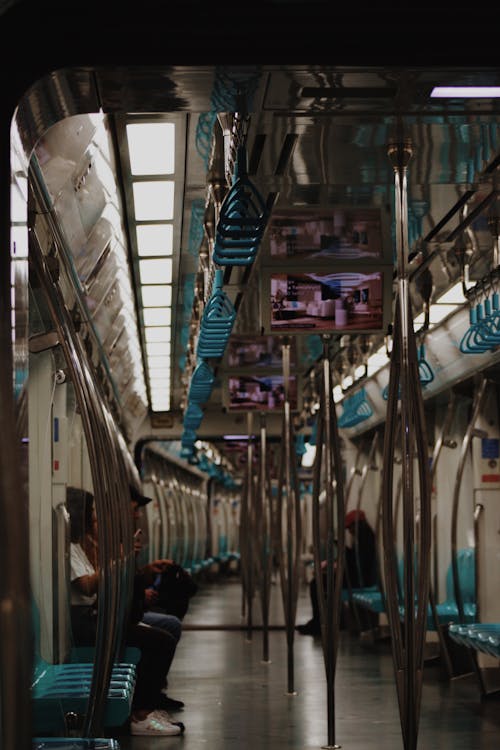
(201, 256)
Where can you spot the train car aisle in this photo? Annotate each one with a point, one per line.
(236, 702)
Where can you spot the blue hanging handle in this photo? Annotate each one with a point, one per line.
(490, 330)
(473, 340)
(242, 220)
(425, 372)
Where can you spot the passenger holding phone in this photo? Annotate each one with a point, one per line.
(146, 597)
(149, 715)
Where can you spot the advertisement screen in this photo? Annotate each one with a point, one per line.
(257, 351)
(352, 233)
(265, 393)
(319, 302)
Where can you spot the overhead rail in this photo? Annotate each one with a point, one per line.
(328, 478)
(407, 643)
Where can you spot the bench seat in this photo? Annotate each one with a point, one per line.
(59, 689)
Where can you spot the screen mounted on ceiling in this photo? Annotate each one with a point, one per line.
(257, 351)
(265, 392)
(320, 301)
(341, 234)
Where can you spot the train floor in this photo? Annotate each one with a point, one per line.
(235, 701)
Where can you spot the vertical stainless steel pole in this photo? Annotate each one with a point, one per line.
(328, 476)
(249, 530)
(264, 536)
(289, 539)
(407, 651)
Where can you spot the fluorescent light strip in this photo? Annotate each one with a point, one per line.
(155, 270)
(465, 92)
(153, 200)
(156, 296)
(151, 147)
(437, 313)
(158, 333)
(158, 348)
(159, 364)
(337, 394)
(155, 239)
(157, 316)
(454, 296)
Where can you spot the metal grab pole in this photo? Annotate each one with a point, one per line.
(264, 536)
(81, 379)
(289, 539)
(368, 466)
(407, 655)
(249, 531)
(246, 535)
(464, 451)
(328, 474)
(433, 586)
(355, 471)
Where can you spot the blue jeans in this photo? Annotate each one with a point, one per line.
(170, 623)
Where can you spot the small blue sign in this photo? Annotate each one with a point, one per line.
(490, 448)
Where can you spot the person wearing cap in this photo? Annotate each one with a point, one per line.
(360, 567)
(145, 597)
(149, 715)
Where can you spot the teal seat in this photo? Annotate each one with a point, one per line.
(447, 611)
(75, 743)
(369, 598)
(59, 689)
(480, 636)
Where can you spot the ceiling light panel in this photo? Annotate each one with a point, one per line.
(158, 295)
(153, 200)
(158, 333)
(155, 239)
(153, 155)
(157, 348)
(155, 270)
(157, 316)
(465, 92)
(151, 147)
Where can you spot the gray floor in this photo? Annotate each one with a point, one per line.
(234, 701)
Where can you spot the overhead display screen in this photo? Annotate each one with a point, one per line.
(343, 234)
(257, 351)
(319, 301)
(262, 393)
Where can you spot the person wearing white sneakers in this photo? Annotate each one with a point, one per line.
(154, 723)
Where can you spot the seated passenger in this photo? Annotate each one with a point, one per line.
(145, 595)
(157, 646)
(360, 567)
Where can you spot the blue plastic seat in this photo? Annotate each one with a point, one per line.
(480, 636)
(447, 611)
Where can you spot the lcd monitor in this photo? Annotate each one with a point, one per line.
(257, 351)
(266, 392)
(337, 233)
(319, 301)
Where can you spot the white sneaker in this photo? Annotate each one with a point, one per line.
(154, 724)
(165, 718)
